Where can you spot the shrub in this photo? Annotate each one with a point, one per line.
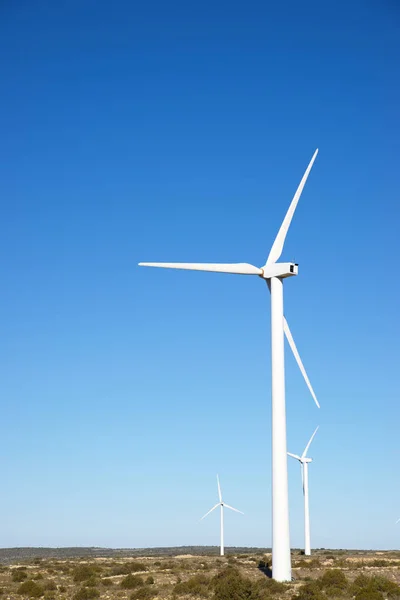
(363, 585)
(107, 581)
(49, 586)
(62, 589)
(19, 575)
(91, 582)
(86, 593)
(127, 568)
(382, 584)
(137, 566)
(149, 580)
(143, 593)
(30, 588)
(38, 576)
(83, 572)
(230, 585)
(131, 581)
(268, 587)
(314, 563)
(195, 586)
(368, 594)
(309, 591)
(334, 582)
(333, 578)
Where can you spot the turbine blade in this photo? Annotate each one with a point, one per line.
(309, 443)
(277, 246)
(294, 456)
(219, 490)
(298, 359)
(235, 509)
(210, 511)
(237, 268)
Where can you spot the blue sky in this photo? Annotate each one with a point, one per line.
(179, 132)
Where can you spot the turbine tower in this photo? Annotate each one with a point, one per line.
(273, 273)
(221, 504)
(304, 462)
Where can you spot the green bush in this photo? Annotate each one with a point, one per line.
(195, 586)
(333, 578)
(149, 580)
(92, 581)
(62, 589)
(333, 582)
(107, 581)
(86, 593)
(229, 584)
(38, 576)
(31, 589)
(19, 575)
(49, 586)
(264, 588)
(309, 591)
(314, 563)
(128, 567)
(368, 594)
(84, 572)
(131, 581)
(363, 585)
(143, 593)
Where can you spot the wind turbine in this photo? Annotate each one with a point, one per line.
(221, 504)
(304, 462)
(398, 521)
(273, 272)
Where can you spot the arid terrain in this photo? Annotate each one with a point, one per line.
(61, 574)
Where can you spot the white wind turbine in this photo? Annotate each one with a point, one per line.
(304, 462)
(273, 272)
(221, 504)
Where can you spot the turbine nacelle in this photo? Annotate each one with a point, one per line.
(281, 270)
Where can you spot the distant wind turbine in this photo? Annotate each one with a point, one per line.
(398, 521)
(304, 461)
(273, 273)
(221, 504)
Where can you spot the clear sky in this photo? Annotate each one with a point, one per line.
(179, 131)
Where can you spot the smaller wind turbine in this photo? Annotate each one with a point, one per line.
(398, 521)
(304, 460)
(222, 505)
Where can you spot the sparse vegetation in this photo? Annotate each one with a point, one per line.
(328, 575)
